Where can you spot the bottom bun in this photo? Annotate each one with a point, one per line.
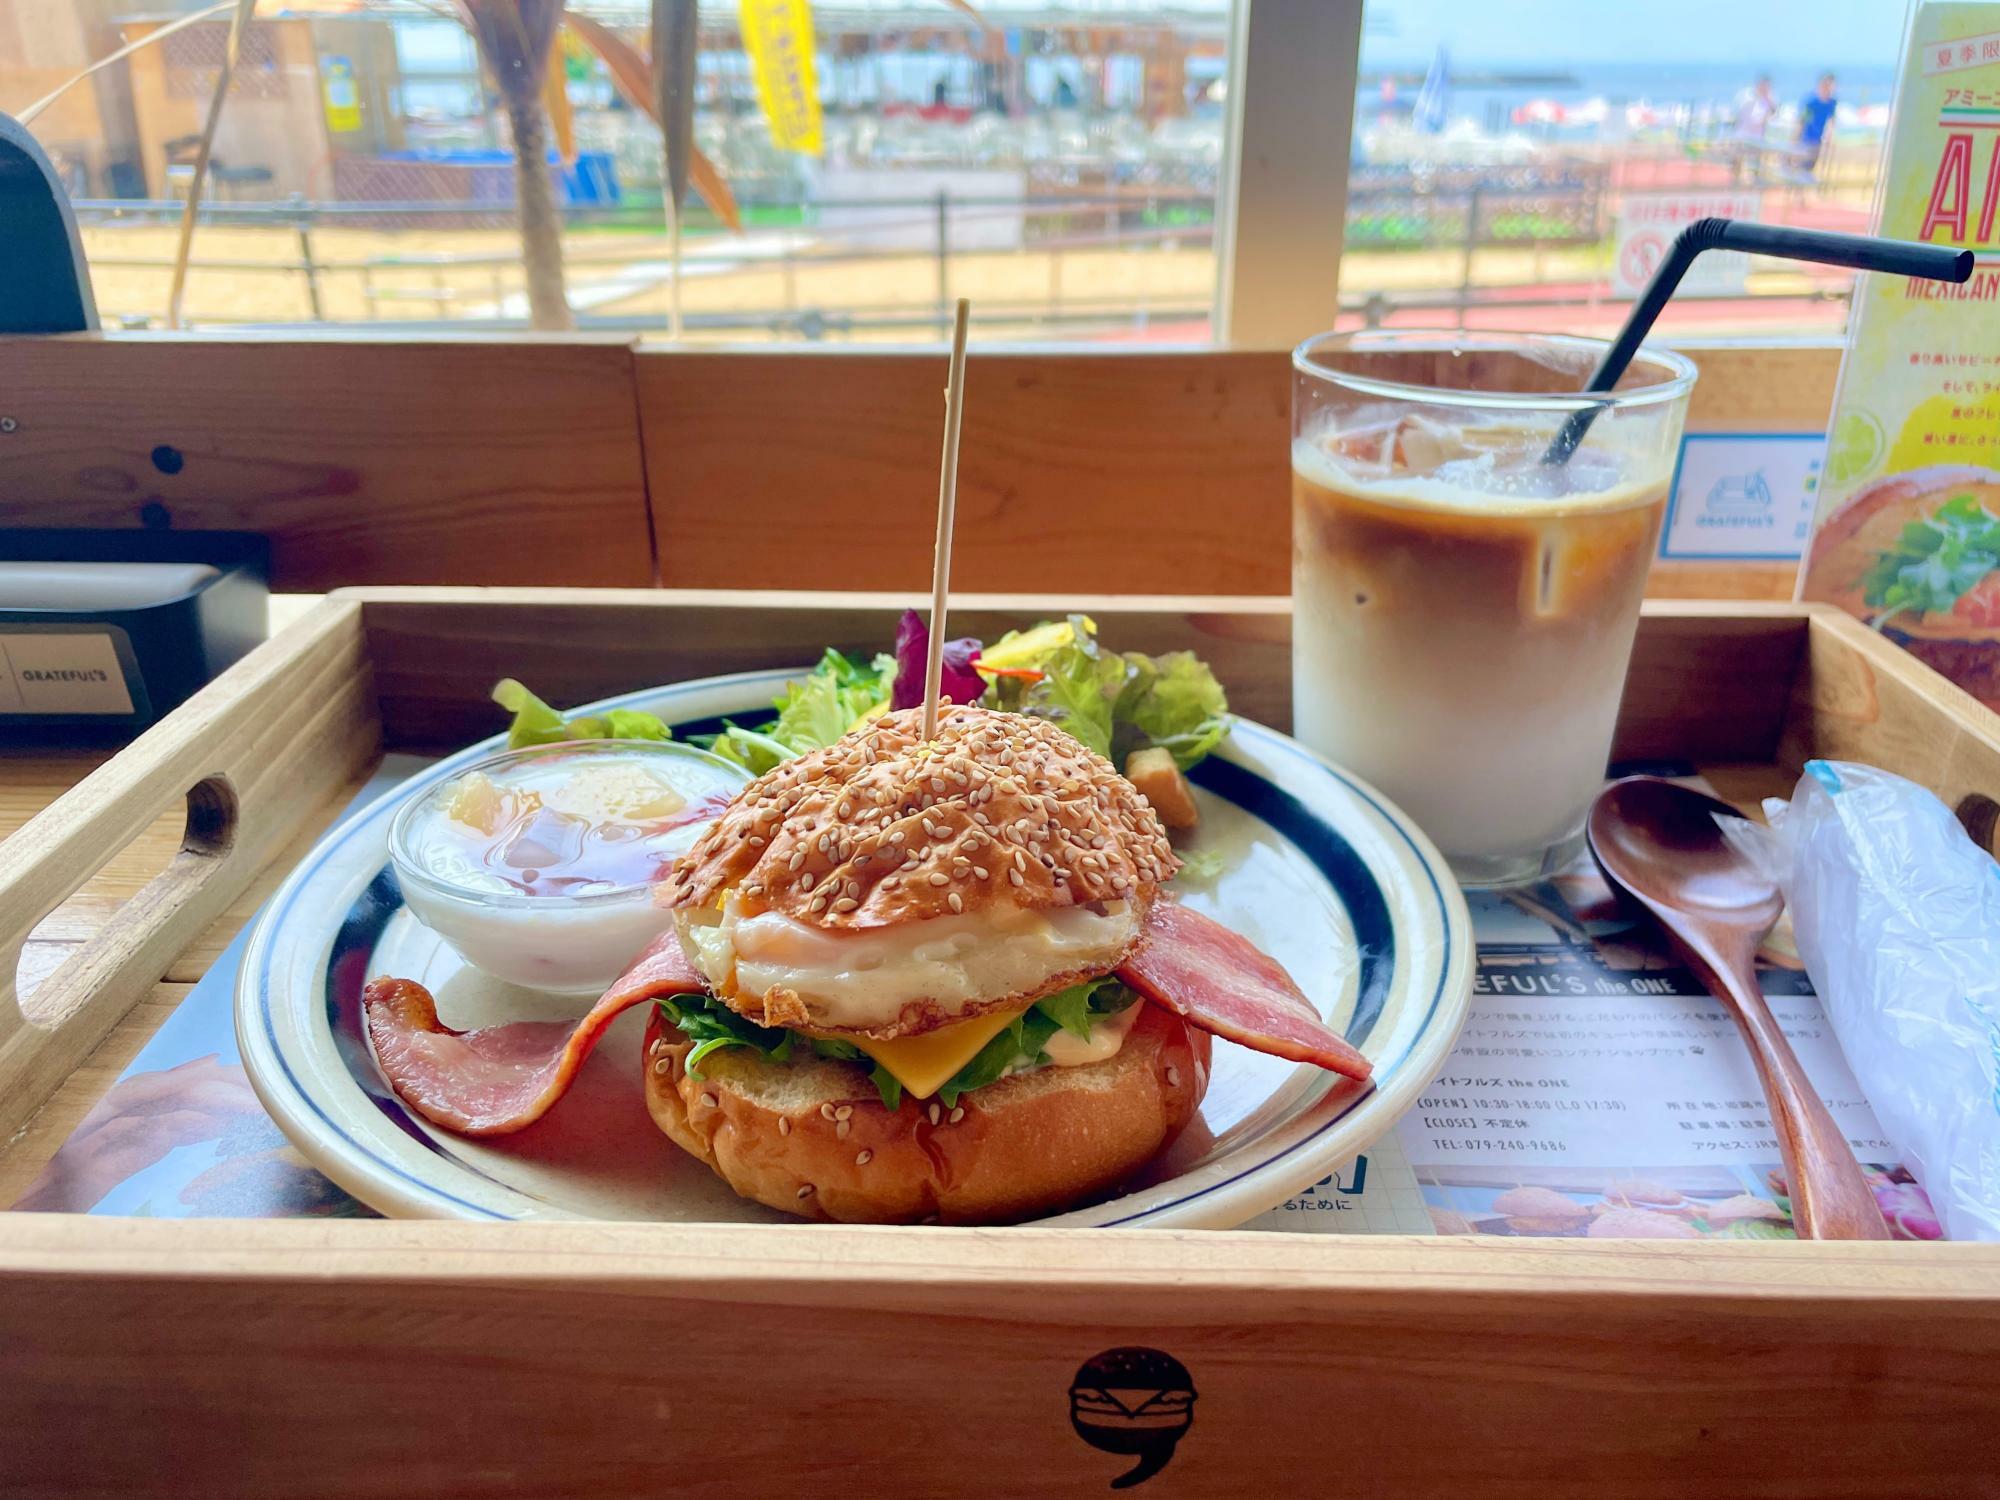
(812, 1138)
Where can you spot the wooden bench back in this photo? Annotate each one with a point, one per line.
(598, 462)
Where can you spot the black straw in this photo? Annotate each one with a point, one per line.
(1860, 251)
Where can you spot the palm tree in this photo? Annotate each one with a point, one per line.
(516, 39)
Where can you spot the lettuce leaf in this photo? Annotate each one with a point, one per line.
(1070, 1008)
(632, 724)
(1078, 684)
(957, 682)
(1114, 703)
(536, 723)
(839, 693)
(756, 753)
(711, 1026)
(1173, 702)
(1019, 1046)
(1021, 1041)
(1019, 649)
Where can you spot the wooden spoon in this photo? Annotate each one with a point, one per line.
(1658, 842)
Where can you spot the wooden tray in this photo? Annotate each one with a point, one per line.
(378, 1358)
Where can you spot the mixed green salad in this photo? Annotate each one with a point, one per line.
(1114, 702)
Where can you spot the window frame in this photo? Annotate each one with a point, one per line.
(1282, 208)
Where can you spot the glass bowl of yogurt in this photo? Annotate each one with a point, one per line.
(538, 866)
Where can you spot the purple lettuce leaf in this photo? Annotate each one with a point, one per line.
(913, 640)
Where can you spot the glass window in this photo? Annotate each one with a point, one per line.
(1523, 165)
(1058, 165)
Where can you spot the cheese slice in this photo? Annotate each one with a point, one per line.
(924, 1064)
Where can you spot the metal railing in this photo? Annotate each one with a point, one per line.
(1545, 208)
(938, 227)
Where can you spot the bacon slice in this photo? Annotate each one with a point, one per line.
(1220, 981)
(499, 1079)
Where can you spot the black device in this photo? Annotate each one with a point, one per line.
(101, 632)
(107, 647)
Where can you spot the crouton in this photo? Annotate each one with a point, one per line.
(1160, 782)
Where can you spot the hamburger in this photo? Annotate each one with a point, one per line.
(939, 920)
(906, 980)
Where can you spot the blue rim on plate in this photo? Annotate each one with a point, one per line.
(298, 994)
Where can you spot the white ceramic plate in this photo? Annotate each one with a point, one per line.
(1314, 867)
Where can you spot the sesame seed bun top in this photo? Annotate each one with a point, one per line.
(881, 828)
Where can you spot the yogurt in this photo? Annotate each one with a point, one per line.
(538, 865)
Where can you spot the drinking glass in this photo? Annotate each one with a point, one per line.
(1463, 608)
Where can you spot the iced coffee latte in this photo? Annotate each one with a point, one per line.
(1463, 610)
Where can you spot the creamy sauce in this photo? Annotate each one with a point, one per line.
(866, 978)
(1068, 1050)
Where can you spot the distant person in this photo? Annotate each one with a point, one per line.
(1816, 125)
(1754, 108)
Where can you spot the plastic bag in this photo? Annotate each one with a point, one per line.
(1897, 916)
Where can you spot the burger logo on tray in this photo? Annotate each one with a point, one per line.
(1133, 1401)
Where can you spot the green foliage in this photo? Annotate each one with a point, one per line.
(815, 711)
(1019, 1046)
(536, 723)
(1113, 703)
(1936, 562)
(712, 1026)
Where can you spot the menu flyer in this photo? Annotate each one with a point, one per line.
(1907, 529)
(1596, 1090)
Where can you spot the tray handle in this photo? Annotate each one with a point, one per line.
(254, 756)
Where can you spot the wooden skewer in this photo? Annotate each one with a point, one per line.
(954, 409)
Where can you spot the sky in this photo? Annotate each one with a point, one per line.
(1528, 33)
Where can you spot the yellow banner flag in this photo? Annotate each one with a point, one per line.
(778, 35)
